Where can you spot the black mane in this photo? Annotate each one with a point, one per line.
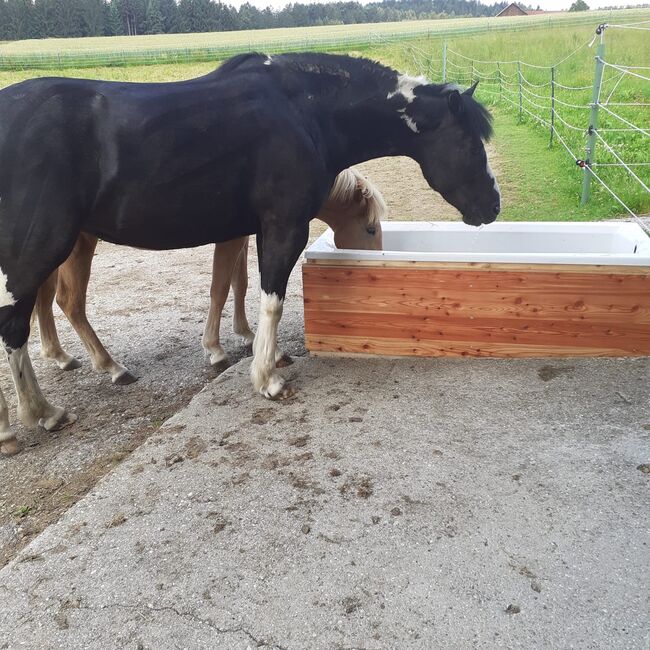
(340, 70)
(474, 117)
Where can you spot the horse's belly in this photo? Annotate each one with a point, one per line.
(161, 222)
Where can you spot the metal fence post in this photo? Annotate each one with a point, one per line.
(444, 62)
(550, 142)
(519, 82)
(593, 118)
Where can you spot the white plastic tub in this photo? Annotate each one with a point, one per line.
(504, 243)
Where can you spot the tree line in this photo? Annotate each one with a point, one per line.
(21, 19)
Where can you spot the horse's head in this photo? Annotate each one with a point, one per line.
(452, 127)
(354, 210)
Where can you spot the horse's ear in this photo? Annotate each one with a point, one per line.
(455, 102)
(363, 188)
(471, 89)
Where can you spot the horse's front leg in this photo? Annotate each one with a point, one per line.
(279, 249)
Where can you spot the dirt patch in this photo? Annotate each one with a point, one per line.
(547, 373)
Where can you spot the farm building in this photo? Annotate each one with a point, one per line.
(513, 9)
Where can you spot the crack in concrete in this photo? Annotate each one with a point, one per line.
(259, 643)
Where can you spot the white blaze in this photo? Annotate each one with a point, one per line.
(493, 177)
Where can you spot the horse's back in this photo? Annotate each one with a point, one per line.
(155, 165)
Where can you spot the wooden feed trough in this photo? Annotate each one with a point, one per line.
(504, 290)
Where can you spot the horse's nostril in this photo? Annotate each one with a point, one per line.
(496, 208)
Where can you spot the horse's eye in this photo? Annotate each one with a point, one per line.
(371, 230)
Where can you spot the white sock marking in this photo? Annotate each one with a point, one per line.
(262, 369)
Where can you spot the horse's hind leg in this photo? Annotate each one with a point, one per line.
(50, 344)
(71, 289)
(225, 257)
(239, 283)
(8, 443)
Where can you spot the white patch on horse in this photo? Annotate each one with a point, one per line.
(406, 86)
(265, 380)
(410, 122)
(493, 177)
(269, 60)
(6, 299)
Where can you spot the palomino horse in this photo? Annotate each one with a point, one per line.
(253, 147)
(353, 210)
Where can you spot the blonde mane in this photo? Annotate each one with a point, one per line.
(346, 185)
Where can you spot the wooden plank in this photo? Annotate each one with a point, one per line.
(635, 337)
(487, 280)
(606, 269)
(480, 303)
(362, 346)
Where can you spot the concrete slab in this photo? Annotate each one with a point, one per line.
(391, 504)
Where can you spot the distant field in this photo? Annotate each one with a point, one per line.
(186, 48)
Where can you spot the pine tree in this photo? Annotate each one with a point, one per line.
(154, 18)
(169, 12)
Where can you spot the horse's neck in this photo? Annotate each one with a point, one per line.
(359, 109)
(364, 132)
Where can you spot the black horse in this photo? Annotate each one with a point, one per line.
(252, 147)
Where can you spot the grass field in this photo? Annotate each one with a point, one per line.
(540, 183)
(299, 35)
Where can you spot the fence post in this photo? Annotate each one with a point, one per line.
(471, 80)
(593, 119)
(444, 62)
(550, 142)
(519, 82)
(499, 75)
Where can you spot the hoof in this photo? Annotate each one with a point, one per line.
(59, 420)
(70, 364)
(247, 337)
(284, 361)
(10, 447)
(222, 365)
(219, 359)
(124, 378)
(276, 389)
